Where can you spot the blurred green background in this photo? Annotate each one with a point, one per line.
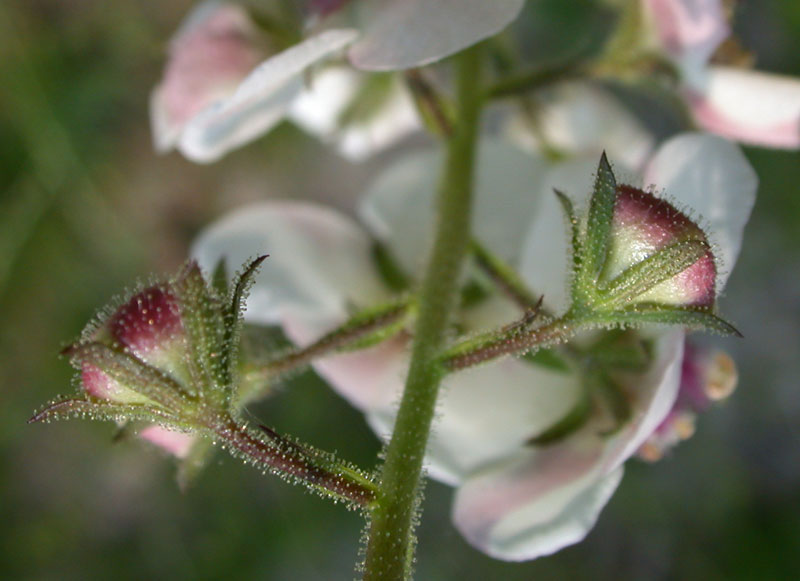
(86, 208)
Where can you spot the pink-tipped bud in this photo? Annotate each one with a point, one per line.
(643, 225)
(214, 50)
(148, 327)
(707, 375)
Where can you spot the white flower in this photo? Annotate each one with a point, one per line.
(583, 118)
(752, 107)
(514, 500)
(215, 97)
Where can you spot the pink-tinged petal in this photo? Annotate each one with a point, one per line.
(534, 504)
(320, 265)
(748, 106)
(401, 35)
(176, 443)
(711, 177)
(398, 207)
(489, 412)
(212, 52)
(369, 379)
(261, 101)
(319, 108)
(537, 501)
(688, 30)
(584, 119)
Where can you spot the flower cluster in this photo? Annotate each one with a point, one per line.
(567, 355)
(215, 96)
(749, 106)
(515, 499)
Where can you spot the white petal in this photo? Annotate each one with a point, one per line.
(711, 177)
(410, 33)
(653, 395)
(748, 106)
(370, 379)
(319, 266)
(583, 118)
(534, 504)
(537, 501)
(398, 208)
(489, 412)
(318, 108)
(260, 102)
(396, 119)
(545, 261)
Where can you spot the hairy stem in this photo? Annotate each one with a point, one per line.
(268, 450)
(390, 543)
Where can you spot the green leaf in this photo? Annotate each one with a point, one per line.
(598, 226)
(132, 373)
(641, 315)
(102, 409)
(233, 317)
(203, 318)
(219, 278)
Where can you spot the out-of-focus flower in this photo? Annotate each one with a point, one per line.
(358, 114)
(708, 375)
(215, 96)
(581, 118)
(752, 107)
(515, 500)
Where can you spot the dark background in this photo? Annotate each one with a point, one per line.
(86, 208)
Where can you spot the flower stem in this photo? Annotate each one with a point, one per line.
(390, 544)
(343, 337)
(516, 341)
(269, 451)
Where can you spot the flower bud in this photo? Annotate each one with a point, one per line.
(707, 375)
(637, 259)
(147, 327)
(642, 226)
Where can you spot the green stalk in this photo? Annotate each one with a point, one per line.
(390, 543)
